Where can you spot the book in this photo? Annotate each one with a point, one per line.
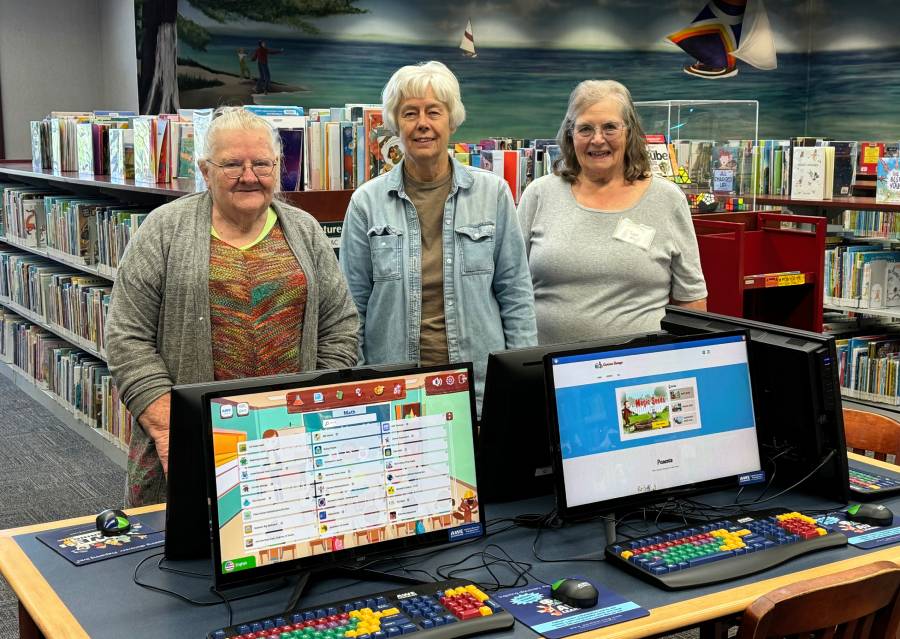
(291, 159)
(887, 186)
(845, 161)
(812, 172)
(892, 284)
(85, 143)
(869, 154)
(661, 157)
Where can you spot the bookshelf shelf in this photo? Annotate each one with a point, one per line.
(841, 203)
(67, 335)
(57, 256)
(880, 312)
(18, 377)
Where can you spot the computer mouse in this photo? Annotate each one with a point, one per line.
(577, 593)
(112, 522)
(872, 514)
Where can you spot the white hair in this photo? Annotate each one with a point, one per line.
(231, 118)
(413, 81)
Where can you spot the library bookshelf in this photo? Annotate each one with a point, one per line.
(328, 207)
(862, 200)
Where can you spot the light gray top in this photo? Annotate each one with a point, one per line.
(158, 331)
(589, 285)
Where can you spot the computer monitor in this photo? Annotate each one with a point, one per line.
(328, 472)
(514, 458)
(188, 533)
(797, 397)
(640, 424)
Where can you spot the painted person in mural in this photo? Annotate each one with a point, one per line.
(431, 250)
(225, 284)
(261, 55)
(608, 244)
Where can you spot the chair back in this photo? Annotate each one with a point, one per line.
(867, 431)
(860, 603)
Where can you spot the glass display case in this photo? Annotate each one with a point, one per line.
(711, 149)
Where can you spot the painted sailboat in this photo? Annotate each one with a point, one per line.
(724, 32)
(467, 44)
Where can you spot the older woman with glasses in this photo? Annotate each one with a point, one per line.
(608, 245)
(431, 249)
(223, 284)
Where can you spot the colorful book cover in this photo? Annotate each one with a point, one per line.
(869, 154)
(84, 133)
(348, 146)
(143, 150)
(887, 189)
(374, 121)
(185, 151)
(55, 150)
(201, 119)
(291, 159)
(36, 157)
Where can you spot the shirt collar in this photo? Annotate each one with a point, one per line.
(462, 177)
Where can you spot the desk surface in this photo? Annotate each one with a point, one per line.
(46, 588)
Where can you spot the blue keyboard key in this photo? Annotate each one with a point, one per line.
(279, 621)
(449, 619)
(380, 601)
(219, 634)
(244, 629)
(392, 631)
(408, 628)
(268, 624)
(256, 627)
(426, 623)
(378, 634)
(438, 621)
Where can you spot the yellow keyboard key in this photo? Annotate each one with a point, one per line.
(485, 611)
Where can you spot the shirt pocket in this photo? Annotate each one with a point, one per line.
(477, 245)
(385, 244)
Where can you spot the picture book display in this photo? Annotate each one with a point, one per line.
(887, 189)
(536, 608)
(812, 172)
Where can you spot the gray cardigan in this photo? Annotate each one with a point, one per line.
(158, 331)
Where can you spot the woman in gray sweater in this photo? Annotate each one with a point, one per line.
(223, 284)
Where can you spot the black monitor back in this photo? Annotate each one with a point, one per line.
(797, 398)
(514, 457)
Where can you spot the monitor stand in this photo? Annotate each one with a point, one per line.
(610, 523)
(359, 574)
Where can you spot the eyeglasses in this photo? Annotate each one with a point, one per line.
(609, 130)
(234, 170)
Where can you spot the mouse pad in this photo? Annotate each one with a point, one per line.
(863, 536)
(533, 606)
(85, 544)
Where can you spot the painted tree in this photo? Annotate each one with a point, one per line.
(159, 27)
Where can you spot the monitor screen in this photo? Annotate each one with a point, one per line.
(638, 424)
(797, 397)
(306, 476)
(187, 507)
(514, 458)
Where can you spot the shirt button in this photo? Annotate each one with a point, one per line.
(449, 261)
(450, 303)
(447, 222)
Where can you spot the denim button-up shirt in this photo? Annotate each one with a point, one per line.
(488, 298)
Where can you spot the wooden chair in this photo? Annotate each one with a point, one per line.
(871, 431)
(861, 603)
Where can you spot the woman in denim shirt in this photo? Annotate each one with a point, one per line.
(432, 250)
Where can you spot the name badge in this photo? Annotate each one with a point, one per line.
(635, 233)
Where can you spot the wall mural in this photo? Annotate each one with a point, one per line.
(517, 60)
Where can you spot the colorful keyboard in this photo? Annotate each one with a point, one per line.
(722, 550)
(440, 610)
(870, 484)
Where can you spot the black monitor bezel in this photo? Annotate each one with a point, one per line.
(350, 556)
(641, 499)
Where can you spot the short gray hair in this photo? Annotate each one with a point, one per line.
(585, 95)
(231, 118)
(412, 81)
